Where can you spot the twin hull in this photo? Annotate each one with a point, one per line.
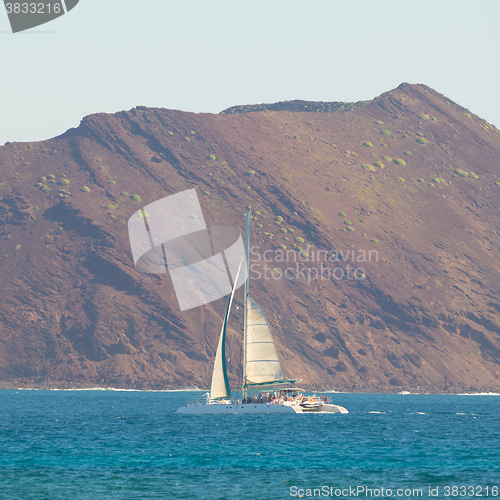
(218, 408)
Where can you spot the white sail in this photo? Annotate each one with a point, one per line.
(262, 361)
(220, 383)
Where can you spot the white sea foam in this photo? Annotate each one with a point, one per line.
(479, 394)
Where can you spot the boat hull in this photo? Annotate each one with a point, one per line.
(217, 408)
(325, 408)
(227, 408)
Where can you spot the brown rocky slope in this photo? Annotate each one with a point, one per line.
(410, 176)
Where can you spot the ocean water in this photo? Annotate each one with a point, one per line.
(103, 444)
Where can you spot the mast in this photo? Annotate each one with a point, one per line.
(245, 312)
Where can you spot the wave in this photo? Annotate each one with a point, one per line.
(479, 394)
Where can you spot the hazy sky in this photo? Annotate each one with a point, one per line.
(110, 55)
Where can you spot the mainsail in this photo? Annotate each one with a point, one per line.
(220, 384)
(262, 361)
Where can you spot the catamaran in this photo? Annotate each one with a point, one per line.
(265, 389)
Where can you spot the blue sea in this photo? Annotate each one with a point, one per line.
(105, 444)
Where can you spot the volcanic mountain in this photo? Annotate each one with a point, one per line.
(375, 245)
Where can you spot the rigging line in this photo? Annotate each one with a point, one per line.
(245, 298)
(234, 350)
(230, 338)
(236, 345)
(240, 342)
